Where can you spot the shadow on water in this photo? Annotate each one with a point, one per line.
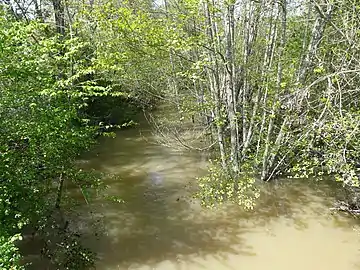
(153, 226)
(159, 222)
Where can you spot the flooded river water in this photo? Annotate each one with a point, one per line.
(159, 227)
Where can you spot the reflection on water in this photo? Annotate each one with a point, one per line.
(160, 227)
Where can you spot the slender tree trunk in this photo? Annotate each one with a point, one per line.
(214, 81)
(315, 40)
(250, 33)
(38, 10)
(267, 163)
(59, 16)
(273, 29)
(59, 192)
(172, 80)
(229, 87)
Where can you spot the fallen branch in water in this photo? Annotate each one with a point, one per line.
(345, 207)
(352, 211)
(191, 147)
(175, 138)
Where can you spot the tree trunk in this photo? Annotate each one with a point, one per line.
(59, 17)
(39, 14)
(267, 162)
(214, 81)
(59, 192)
(229, 87)
(315, 40)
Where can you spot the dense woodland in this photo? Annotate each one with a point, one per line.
(272, 85)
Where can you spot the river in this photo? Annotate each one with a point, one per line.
(160, 227)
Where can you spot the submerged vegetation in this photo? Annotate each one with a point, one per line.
(271, 87)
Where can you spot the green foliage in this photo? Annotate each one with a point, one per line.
(9, 257)
(333, 150)
(41, 132)
(70, 254)
(219, 187)
(129, 48)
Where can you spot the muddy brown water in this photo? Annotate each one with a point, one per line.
(159, 227)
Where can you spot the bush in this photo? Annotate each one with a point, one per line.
(219, 186)
(9, 253)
